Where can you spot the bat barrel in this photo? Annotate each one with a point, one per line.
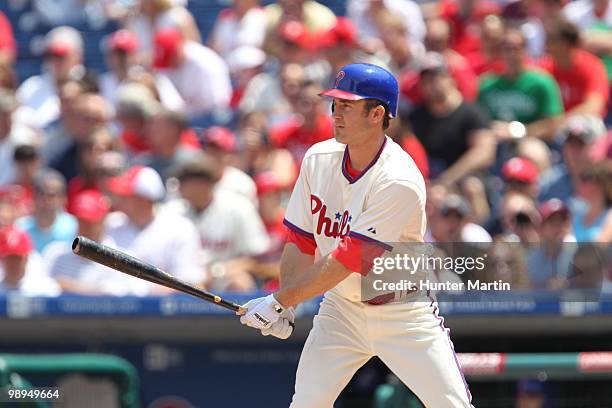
(130, 265)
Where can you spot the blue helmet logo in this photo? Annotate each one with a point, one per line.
(364, 81)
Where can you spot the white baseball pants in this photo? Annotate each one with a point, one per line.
(408, 337)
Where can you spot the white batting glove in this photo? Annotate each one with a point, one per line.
(283, 328)
(264, 314)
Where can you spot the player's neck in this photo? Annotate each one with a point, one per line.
(362, 153)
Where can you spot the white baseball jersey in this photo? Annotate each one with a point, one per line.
(383, 205)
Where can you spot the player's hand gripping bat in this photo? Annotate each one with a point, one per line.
(130, 265)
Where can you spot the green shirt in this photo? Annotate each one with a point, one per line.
(606, 59)
(534, 95)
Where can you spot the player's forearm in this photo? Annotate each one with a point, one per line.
(319, 278)
(293, 263)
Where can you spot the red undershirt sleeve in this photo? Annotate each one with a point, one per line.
(306, 245)
(356, 254)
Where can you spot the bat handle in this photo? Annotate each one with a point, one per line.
(241, 310)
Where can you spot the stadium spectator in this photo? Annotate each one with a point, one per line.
(521, 175)
(243, 24)
(258, 155)
(167, 153)
(76, 274)
(532, 394)
(38, 95)
(274, 95)
(27, 165)
(594, 187)
(549, 262)
(122, 60)
(404, 55)
(315, 16)
(166, 240)
(11, 135)
(221, 145)
(155, 15)
(366, 17)
(200, 76)
(451, 222)
(49, 222)
(339, 46)
(310, 123)
(437, 41)
(291, 42)
(19, 272)
(517, 219)
(455, 133)
(94, 164)
(488, 58)
(536, 151)
(594, 19)
(230, 228)
(136, 104)
(8, 76)
(8, 213)
(463, 17)
(580, 75)
(244, 63)
(578, 136)
(505, 261)
(402, 133)
(88, 113)
(8, 45)
(523, 101)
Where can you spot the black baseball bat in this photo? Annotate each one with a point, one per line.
(130, 265)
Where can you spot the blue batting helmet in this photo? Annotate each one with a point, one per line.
(361, 81)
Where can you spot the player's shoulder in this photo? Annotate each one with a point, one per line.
(325, 148)
(398, 168)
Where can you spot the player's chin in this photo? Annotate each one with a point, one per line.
(339, 136)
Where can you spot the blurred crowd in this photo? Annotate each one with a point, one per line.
(184, 152)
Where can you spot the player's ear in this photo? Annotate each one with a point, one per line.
(378, 113)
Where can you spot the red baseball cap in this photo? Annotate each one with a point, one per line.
(520, 169)
(91, 206)
(343, 33)
(14, 241)
(220, 137)
(166, 42)
(266, 182)
(295, 32)
(551, 207)
(123, 40)
(138, 181)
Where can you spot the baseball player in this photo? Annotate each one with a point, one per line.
(355, 191)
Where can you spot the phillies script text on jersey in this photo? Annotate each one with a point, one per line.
(340, 227)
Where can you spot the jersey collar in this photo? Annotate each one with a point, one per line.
(352, 179)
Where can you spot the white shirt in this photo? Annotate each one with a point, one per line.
(231, 32)
(35, 282)
(230, 227)
(408, 10)
(64, 264)
(383, 206)
(170, 242)
(168, 95)
(237, 181)
(202, 80)
(18, 135)
(582, 13)
(39, 103)
(141, 26)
